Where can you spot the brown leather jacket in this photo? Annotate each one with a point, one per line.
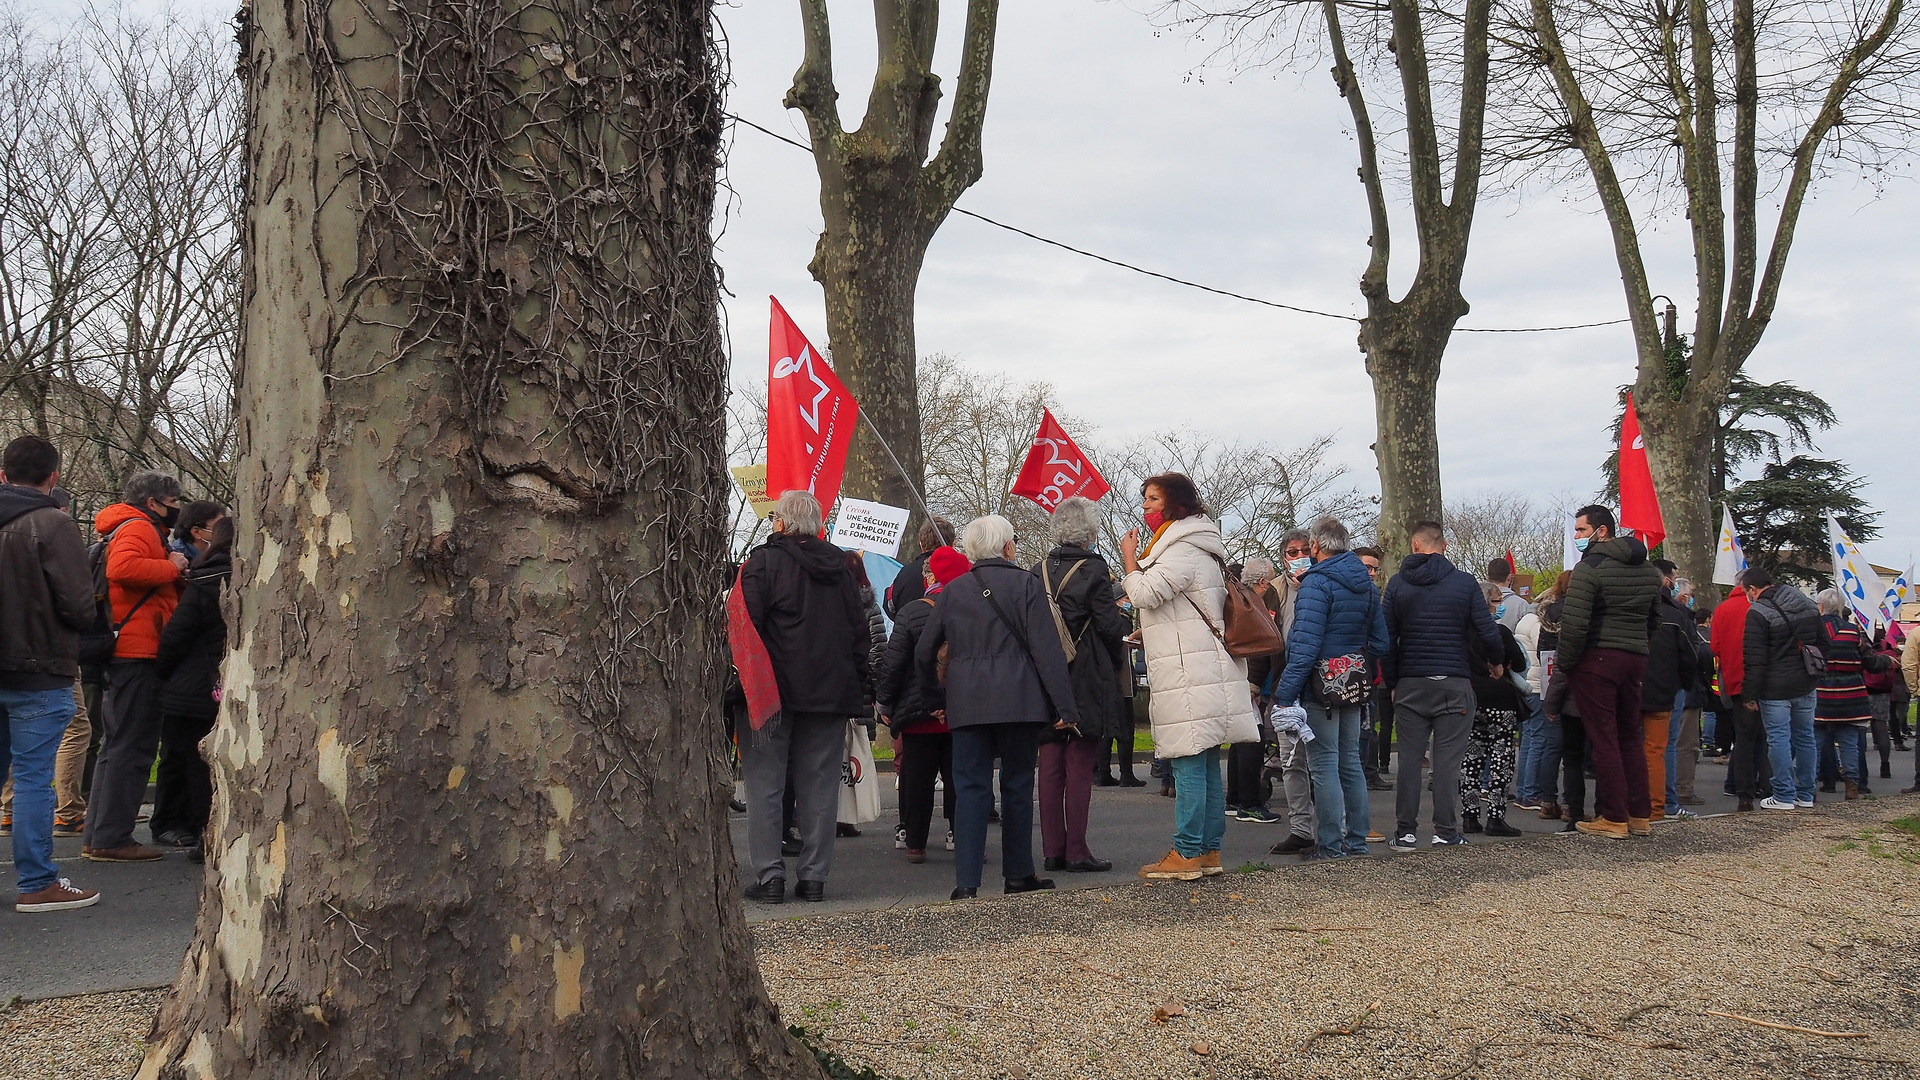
(46, 589)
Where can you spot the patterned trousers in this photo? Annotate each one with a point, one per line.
(1486, 773)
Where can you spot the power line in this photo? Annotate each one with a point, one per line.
(1183, 281)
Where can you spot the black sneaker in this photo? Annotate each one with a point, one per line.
(810, 891)
(964, 894)
(1055, 862)
(1029, 883)
(1405, 842)
(773, 892)
(1293, 843)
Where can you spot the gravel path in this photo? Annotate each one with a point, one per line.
(1560, 957)
(1563, 957)
(96, 1037)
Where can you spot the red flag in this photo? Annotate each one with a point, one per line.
(1512, 567)
(810, 417)
(751, 659)
(1639, 505)
(1056, 469)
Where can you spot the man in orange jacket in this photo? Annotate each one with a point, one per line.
(143, 585)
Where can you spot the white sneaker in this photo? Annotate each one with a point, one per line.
(1803, 804)
(1771, 803)
(949, 839)
(900, 837)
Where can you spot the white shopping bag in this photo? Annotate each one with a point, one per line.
(859, 792)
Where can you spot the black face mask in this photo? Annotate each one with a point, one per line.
(168, 516)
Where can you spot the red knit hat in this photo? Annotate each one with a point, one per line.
(947, 564)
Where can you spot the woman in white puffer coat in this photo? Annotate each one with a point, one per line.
(1200, 696)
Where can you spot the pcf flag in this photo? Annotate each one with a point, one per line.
(1639, 506)
(810, 417)
(1056, 470)
(1731, 558)
(1853, 574)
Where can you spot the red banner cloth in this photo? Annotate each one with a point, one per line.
(810, 416)
(1056, 470)
(750, 658)
(1639, 505)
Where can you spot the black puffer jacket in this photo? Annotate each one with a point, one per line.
(1778, 623)
(46, 590)
(991, 678)
(1438, 621)
(194, 642)
(1099, 630)
(805, 605)
(1672, 661)
(1611, 601)
(907, 697)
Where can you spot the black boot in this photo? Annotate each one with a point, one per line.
(1470, 822)
(1029, 883)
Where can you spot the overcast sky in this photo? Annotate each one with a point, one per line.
(1097, 135)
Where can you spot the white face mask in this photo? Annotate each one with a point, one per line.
(1299, 566)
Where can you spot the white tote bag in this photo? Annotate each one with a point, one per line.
(859, 792)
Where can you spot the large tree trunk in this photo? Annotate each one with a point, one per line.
(1680, 442)
(868, 263)
(469, 780)
(1406, 378)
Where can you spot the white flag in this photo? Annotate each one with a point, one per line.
(1896, 595)
(1732, 557)
(1569, 555)
(1854, 575)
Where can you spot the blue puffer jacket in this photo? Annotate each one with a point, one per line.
(1330, 618)
(1439, 620)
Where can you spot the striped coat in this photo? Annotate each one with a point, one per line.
(1843, 689)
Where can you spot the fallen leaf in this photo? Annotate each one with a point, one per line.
(1235, 896)
(1202, 1049)
(1167, 1011)
(1015, 1072)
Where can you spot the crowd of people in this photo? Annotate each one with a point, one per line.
(1459, 692)
(110, 655)
(1308, 678)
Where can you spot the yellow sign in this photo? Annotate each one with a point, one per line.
(753, 484)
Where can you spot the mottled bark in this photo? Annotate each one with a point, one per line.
(469, 815)
(882, 200)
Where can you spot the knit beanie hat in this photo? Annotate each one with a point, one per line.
(947, 564)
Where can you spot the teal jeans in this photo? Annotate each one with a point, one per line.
(1199, 803)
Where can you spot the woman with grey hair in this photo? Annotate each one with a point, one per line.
(1093, 631)
(1006, 680)
(1842, 709)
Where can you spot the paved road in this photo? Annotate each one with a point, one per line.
(136, 936)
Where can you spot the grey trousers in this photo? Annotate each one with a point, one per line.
(817, 743)
(1440, 709)
(1297, 784)
(126, 754)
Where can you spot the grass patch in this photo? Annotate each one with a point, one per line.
(1252, 867)
(1909, 825)
(1845, 845)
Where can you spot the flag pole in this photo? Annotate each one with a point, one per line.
(891, 456)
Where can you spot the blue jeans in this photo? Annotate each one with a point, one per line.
(1844, 742)
(1674, 723)
(1790, 746)
(1339, 783)
(36, 719)
(1538, 764)
(974, 748)
(1199, 803)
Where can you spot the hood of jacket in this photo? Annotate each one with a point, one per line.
(822, 561)
(1345, 570)
(17, 499)
(112, 517)
(1197, 529)
(1420, 568)
(1624, 549)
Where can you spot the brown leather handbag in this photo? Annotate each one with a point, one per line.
(1250, 629)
